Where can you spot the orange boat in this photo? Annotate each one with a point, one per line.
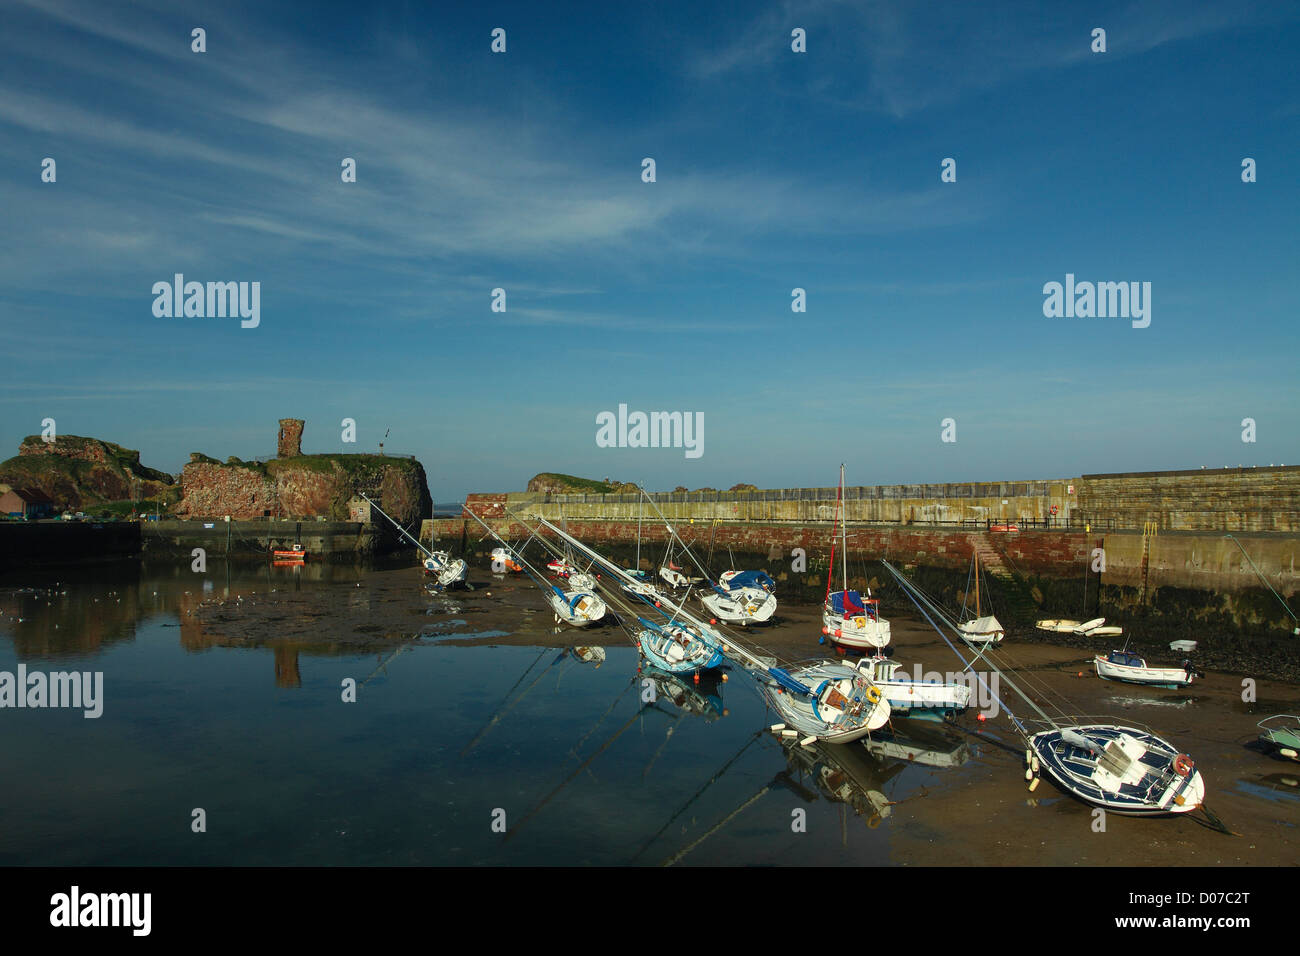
(295, 554)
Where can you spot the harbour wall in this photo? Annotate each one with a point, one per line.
(1180, 578)
(318, 538)
(1224, 499)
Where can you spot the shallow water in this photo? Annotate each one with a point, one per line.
(581, 764)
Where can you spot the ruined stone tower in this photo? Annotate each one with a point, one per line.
(290, 445)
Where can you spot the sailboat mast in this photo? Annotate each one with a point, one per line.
(977, 582)
(844, 531)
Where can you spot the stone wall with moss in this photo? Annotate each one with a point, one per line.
(82, 472)
(305, 486)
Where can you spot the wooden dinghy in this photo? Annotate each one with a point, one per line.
(1060, 625)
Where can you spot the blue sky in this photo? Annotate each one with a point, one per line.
(775, 170)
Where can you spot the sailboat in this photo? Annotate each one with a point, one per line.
(1122, 768)
(441, 564)
(981, 629)
(578, 608)
(847, 617)
(504, 558)
(822, 700)
(676, 648)
(673, 575)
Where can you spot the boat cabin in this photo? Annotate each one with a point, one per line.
(852, 604)
(1125, 658)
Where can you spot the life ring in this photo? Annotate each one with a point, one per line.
(873, 694)
(1182, 765)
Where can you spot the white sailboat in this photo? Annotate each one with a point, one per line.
(982, 629)
(847, 617)
(440, 564)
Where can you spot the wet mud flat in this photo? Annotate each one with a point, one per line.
(979, 814)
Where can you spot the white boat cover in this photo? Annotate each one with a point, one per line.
(982, 625)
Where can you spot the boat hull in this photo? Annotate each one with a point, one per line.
(1150, 786)
(587, 609)
(746, 606)
(1169, 677)
(813, 716)
(855, 631)
(916, 697)
(677, 650)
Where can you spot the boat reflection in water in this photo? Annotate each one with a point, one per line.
(843, 773)
(919, 742)
(702, 698)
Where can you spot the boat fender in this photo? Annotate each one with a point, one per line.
(724, 678)
(776, 728)
(1033, 765)
(789, 733)
(1033, 785)
(1029, 774)
(873, 694)
(808, 741)
(1182, 765)
(839, 632)
(1288, 752)
(1029, 756)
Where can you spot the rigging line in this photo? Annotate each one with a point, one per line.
(608, 711)
(496, 718)
(698, 793)
(581, 767)
(677, 857)
(1285, 606)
